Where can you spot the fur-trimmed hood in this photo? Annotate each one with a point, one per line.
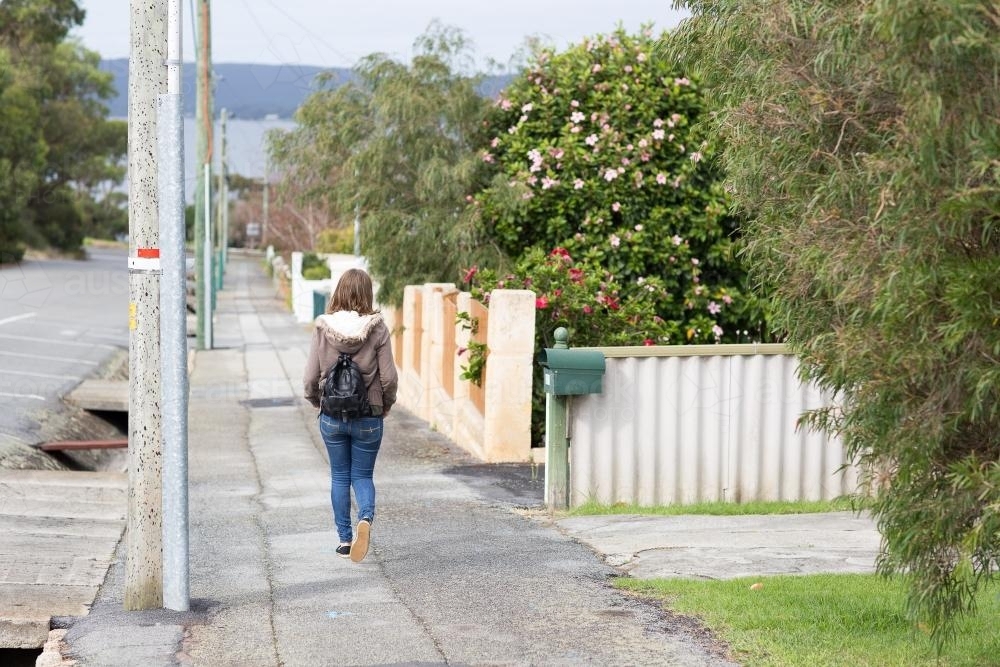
(347, 328)
(364, 337)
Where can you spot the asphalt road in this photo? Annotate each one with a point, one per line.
(60, 321)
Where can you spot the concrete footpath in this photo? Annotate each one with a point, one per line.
(464, 567)
(59, 531)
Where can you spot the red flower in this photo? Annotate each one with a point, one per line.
(612, 303)
(587, 310)
(541, 303)
(470, 274)
(648, 342)
(576, 275)
(561, 252)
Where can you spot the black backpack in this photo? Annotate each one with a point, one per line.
(344, 392)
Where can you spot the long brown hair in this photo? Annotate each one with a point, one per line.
(353, 292)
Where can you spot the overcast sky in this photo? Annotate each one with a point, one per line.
(336, 34)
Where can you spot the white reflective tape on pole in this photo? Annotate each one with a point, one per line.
(144, 264)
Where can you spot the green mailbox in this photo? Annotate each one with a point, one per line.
(572, 372)
(319, 302)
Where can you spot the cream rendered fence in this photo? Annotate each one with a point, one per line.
(495, 425)
(683, 424)
(674, 424)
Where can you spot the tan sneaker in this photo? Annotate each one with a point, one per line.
(359, 547)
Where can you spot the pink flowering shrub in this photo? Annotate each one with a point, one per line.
(584, 298)
(591, 303)
(598, 151)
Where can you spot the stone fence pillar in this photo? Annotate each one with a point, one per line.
(409, 359)
(511, 344)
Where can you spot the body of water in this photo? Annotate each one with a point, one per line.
(245, 147)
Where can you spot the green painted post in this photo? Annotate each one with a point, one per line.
(218, 273)
(556, 442)
(215, 277)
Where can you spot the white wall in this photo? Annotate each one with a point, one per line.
(302, 289)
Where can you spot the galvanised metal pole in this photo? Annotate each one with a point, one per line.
(217, 249)
(209, 295)
(147, 79)
(225, 200)
(173, 326)
(220, 214)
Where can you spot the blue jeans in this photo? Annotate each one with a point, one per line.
(352, 445)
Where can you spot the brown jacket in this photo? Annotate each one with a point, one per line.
(366, 339)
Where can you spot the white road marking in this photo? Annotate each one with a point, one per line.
(123, 335)
(94, 331)
(15, 318)
(41, 375)
(34, 397)
(56, 341)
(46, 358)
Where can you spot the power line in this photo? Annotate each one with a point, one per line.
(348, 59)
(255, 20)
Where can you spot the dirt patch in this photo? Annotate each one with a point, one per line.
(688, 627)
(19, 456)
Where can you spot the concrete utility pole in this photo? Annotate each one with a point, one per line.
(173, 308)
(147, 79)
(202, 224)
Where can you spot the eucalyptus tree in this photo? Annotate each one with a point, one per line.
(395, 145)
(56, 143)
(862, 141)
(21, 157)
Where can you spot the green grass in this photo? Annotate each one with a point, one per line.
(722, 509)
(90, 242)
(827, 620)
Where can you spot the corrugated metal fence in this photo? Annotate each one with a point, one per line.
(702, 423)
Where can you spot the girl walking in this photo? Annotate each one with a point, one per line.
(353, 327)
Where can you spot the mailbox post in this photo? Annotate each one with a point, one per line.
(566, 373)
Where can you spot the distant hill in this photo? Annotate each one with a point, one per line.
(256, 91)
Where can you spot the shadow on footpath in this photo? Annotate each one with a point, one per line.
(519, 484)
